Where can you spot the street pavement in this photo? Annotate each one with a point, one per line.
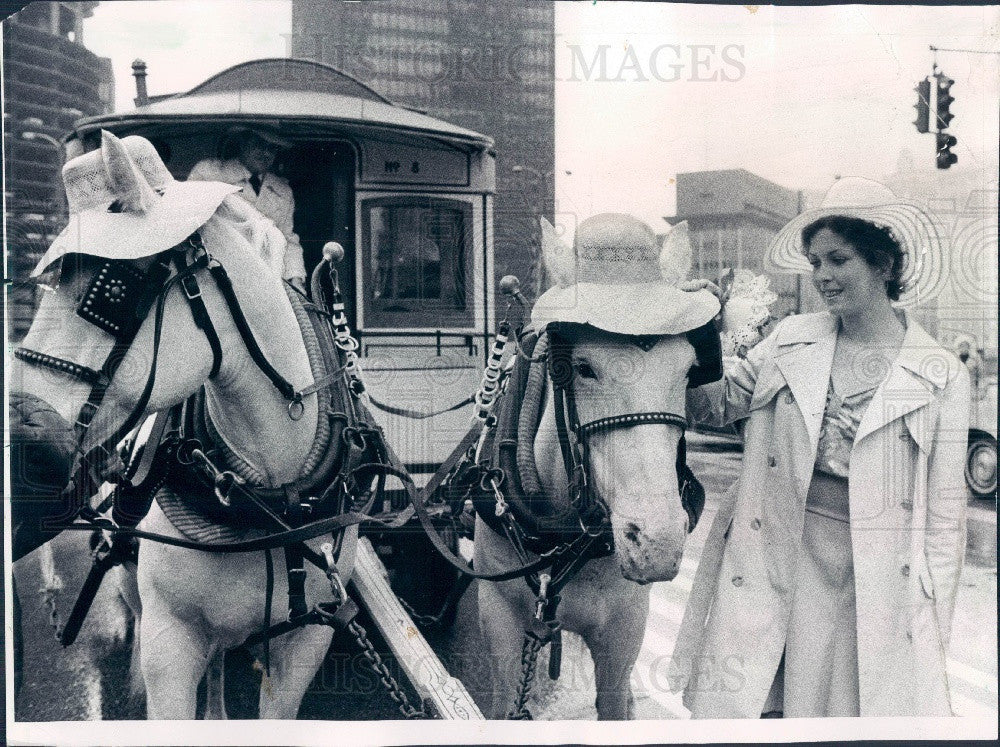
(77, 684)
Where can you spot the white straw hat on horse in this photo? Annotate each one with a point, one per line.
(125, 204)
(617, 279)
(856, 197)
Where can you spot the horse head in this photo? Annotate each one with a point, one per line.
(624, 346)
(120, 331)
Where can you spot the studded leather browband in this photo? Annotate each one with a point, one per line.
(627, 421)
(69, 368)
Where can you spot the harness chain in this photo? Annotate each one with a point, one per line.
(378, 666)
(530, 647)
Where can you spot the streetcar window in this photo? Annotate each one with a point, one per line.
(417, 262)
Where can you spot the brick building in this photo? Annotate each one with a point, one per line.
(732, 216)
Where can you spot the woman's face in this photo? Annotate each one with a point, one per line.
(847, 283)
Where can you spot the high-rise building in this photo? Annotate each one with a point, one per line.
(485, 66)
(732, 216)
(50, 81)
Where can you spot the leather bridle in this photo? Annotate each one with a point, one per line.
(118, 300)
(593, 511)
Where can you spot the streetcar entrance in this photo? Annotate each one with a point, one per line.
(321, 175)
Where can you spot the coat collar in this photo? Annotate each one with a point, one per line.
(804, 356)
(920, 353)
(234, 171)
(921, 369)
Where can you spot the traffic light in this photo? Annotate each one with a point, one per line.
(944, 100)
(945, 142)
(923, 105)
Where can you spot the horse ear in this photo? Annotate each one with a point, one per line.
(133, 193)
(675, 254)
(560, 262)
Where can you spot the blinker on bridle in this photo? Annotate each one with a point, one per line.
(117, 301)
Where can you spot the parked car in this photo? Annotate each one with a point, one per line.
(981, 457)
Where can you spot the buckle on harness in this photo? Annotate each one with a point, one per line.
(191, 288)
(83, 420)
(336, 584)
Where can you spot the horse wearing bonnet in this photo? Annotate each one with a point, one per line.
(588, 454)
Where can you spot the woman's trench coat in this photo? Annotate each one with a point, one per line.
(907, 521)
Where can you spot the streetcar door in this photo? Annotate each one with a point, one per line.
(321, 175)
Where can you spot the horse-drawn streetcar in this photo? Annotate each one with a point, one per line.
(277, 433)
(408, 196)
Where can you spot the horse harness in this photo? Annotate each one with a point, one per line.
(502, 486)
(518, 495)
(177, 456)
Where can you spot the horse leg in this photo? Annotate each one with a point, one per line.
(215, 686)
(172, 658)
(294, 660)
(615, 647)
(502, 624)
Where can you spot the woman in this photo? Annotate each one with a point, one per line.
(827, 585)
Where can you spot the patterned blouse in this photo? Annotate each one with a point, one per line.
(840, 424)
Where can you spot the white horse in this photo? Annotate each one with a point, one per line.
(633, 469)
(195, 605)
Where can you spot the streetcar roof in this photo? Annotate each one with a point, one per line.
(299, 97)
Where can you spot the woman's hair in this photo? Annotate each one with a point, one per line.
(876, 244)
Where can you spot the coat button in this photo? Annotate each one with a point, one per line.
(905, 570)
(755, 524)
(737, 580)
(906, 504)
(773, 461)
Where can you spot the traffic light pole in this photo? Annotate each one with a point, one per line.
(944, 140)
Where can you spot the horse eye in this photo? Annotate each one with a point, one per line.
(586, 370)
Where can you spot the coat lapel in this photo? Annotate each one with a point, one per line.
(920, 368)
(805, 364)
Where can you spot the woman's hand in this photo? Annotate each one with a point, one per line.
(704, 284)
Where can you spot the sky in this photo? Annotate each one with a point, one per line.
(797, 95)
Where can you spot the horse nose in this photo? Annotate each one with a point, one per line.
(641, 565)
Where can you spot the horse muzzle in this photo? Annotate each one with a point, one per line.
(645, 554)
(42, 446)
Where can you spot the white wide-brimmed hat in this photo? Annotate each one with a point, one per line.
(618, 279)
(125, 204)
(918, 234)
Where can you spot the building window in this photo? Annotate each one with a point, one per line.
(418, 262)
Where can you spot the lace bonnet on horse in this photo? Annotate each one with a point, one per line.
(125, 204)
(618, 279)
